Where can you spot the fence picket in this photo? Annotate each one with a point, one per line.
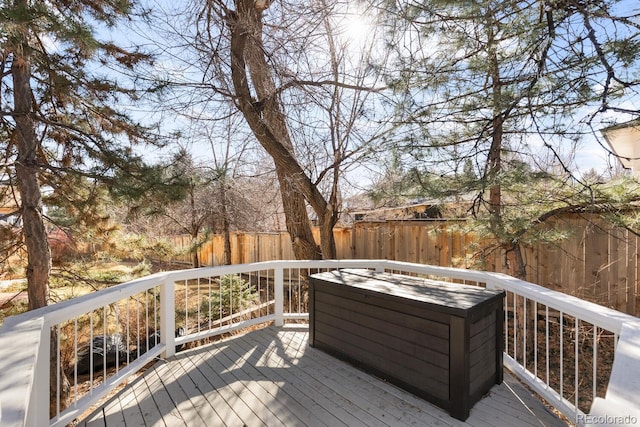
(595, 262)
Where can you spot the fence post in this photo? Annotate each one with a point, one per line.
(168, 317)
(279, 294)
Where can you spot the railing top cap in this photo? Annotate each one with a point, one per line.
(594, 313)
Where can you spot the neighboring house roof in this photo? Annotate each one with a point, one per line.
(624, 140)
(415, 211)
(451, 207)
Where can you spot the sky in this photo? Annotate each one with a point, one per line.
(590, 152)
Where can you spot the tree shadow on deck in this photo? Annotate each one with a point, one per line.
(272, 377)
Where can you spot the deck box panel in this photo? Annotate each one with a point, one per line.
(438, 357)
(438, 340)
(420, 332)
(398, 364)
(481, 371)
(429, 336)
(385, 302)
(482, 357)
(481, 378)
(423, 382)
(369, 341)
(482, 353)
(482, 324)
(479, 339)
(437, 325)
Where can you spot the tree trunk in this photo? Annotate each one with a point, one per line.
(519, 268)
(226, 226)
(34, 231)
(494, 160)
(227, 243)
(297, 220)
(327, 239)
(26, 141)
(194, 229)
(511, 246)
(195, 259)
(269, 126)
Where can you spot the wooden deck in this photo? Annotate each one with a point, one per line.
(271, 377)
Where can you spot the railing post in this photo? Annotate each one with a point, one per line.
(168, 317)
(38, 414)
(279, 294)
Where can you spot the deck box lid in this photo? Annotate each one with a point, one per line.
(450, 296)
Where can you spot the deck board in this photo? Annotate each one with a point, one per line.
(330, 406)
(304, 408)
(318, 390)
(358, 389)
(385, 400)
(271, 377)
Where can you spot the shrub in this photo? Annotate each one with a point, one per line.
(233, 295)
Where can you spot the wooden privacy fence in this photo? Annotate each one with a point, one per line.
(596, 261)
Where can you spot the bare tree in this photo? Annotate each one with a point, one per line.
(228, 151)
(284, 71)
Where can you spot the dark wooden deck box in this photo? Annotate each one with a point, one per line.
(438, 340)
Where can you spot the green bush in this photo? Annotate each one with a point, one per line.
(233, 295)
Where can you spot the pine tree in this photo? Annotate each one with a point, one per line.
(60, 117)
(507, 84)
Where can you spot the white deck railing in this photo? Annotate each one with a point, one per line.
(560, 345)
